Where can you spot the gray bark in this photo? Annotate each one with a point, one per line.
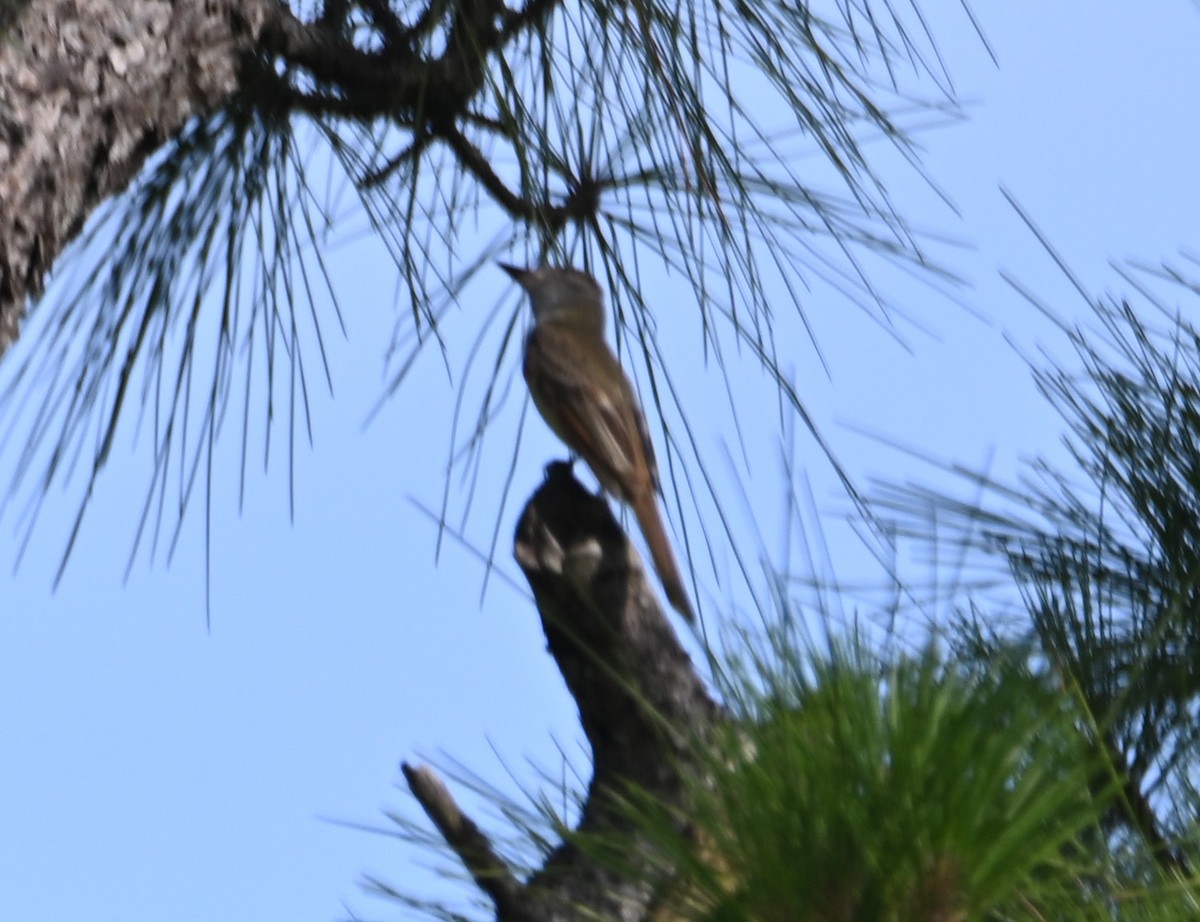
(89, 89)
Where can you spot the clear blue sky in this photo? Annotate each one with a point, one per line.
(150, 769)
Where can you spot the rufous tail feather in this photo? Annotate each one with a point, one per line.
(645, 509)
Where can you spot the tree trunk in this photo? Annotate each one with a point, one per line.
(89, 89)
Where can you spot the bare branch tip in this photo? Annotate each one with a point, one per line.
(474, 849)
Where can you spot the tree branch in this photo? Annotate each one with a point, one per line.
(397, 78)
(473, 160)
(490, 872)
(621, 659)
(641, 704)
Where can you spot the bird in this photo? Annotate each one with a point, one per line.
(586, 399)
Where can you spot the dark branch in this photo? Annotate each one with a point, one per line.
(619, 655)
(473, 160)
(490, 872)
(641, 704)
(398, 78)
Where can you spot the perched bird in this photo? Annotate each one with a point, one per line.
(578, 386)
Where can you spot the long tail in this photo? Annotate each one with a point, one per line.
(645, 509)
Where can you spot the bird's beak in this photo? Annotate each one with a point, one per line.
(516, 272)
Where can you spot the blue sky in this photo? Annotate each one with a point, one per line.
(151, 769)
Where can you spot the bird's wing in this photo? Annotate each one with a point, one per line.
(590, 405)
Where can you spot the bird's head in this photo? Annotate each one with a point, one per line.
(561, 294)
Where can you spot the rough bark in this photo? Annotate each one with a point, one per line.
(642, 707)
(89, 89)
